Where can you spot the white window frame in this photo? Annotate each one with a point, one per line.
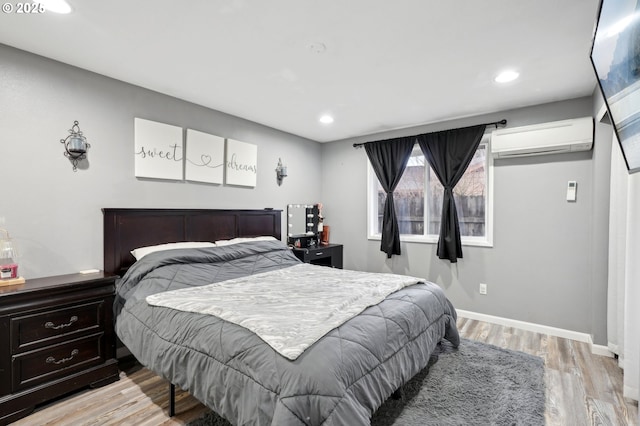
(372, 208)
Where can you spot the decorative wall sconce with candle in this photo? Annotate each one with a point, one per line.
(281, 171)
(75, 145)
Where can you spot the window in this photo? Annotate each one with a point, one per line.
(418, 200)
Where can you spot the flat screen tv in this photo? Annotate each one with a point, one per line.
(615, 55)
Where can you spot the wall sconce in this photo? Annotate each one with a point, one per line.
(281, 172)
(75, 146)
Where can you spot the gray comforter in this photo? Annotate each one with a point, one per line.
(340, 380)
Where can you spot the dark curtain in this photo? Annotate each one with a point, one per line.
(389, 159)
(449, 154)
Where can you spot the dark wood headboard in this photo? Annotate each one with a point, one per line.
(127, 229)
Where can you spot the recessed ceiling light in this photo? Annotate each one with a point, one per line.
(507, 76)
(326, 119)
(56, 6)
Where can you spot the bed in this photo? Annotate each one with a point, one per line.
(252, 377)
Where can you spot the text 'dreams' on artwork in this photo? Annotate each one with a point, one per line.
(241, 163)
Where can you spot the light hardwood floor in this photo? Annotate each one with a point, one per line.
(582, 388)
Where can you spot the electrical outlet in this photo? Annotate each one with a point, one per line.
(483, 288)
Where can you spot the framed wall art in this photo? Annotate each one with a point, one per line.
(204, 157)
(241, 165)
(158, 150)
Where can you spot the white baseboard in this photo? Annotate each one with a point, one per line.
(601, 350)
(539, 328)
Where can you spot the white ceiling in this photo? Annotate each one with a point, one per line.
(387, 64)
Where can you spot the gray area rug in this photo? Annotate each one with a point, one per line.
(476, 384)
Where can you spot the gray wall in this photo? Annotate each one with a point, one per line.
(54, 214)
(548, 263)
(547, 266)
(601, 167)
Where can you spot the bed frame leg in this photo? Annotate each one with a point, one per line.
(398, 394)
(172, 400)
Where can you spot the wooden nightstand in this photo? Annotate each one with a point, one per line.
(329, 255)
(56, 336)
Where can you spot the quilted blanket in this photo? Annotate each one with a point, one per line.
(340, 380)
(290, 308)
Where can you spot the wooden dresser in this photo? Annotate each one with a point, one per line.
(56, 336)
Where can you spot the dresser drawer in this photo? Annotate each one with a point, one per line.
(56, 337)
(329, 255)
(319, 253)
(42, 328)
(52, 362)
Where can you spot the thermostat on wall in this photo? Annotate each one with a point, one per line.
(572, 186)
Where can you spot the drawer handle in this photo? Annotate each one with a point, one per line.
(52, 360)
(49, 324)
(319, 253)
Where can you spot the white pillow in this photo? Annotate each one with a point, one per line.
(220, 243)
(141, 252)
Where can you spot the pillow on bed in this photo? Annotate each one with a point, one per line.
(140, 252)
(244, 240)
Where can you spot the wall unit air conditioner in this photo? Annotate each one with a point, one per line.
(546, 138)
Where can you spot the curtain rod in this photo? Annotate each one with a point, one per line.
(502, 122)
